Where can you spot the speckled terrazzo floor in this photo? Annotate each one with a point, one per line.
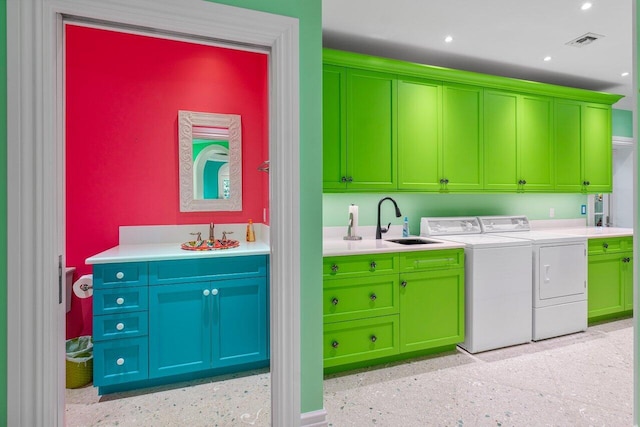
(582, 379)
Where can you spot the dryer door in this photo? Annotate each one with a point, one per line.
(562, 272)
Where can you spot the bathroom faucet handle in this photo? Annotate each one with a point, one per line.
(198, 235)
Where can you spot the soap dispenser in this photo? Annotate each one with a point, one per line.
(251, 234)
(405, 227)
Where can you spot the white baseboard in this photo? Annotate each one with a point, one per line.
(314, 419)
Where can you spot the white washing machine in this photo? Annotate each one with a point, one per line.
(497, 283)
(559, 275)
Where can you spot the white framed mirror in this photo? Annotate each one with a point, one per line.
(210, 157)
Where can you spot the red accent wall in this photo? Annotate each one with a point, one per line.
(123, 93)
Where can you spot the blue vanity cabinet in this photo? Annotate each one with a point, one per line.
(158, 322)
(120, 328)
(219, 319)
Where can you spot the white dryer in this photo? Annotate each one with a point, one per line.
(559, 275)
(497, 283)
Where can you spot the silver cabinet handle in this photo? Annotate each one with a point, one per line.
(205, 292)
(120, 361)
(334, 301)
(119, 300)
(119, 275)
(335, 268)
(373, 297)
(374, 338)
(373, 265)
(403, 284)
(120, 326)
(335, 344)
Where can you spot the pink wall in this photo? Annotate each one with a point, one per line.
(123, 93)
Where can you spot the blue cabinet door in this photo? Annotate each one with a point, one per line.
(240, 321)
(180, 327)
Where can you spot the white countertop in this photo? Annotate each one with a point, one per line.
(172, 251)
(593, 232)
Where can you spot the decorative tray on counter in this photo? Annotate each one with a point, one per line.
(210, 245)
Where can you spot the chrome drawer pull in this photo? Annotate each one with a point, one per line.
(374, 338)
(403, 284)
(373, 265)
(119, 275)
(334, 268)
(373, 297)
(335, 344)
(205, 292)
(120, 326)
(120, 301)
(334, 301)
(120, 361)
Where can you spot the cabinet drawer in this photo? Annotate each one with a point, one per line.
(359, 265)
(190, 270)
(610, 245)
(120, 361)
(121, 274)
(430, 260)
(358, 340)
(120, 300)
(353, 298)
(120, 325)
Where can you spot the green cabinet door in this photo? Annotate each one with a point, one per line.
(535, 143)
(568, 141)
(500, 141)
(371, 138)
(462, 157)
(418, 135)
(334, 129)
(606, 293)
(627, 281)
(431, 309)
(597, 172)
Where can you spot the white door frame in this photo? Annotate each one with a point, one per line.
(35, 153)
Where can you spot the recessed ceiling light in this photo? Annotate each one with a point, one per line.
(586, 6)
(625, 74)
(448, 39)
(547, 58)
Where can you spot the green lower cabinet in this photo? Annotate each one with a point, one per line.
(610, 278)
(359, 340)
(375, 318)
(431, 309)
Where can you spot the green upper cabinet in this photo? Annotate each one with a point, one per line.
(568, 138)
(371, 138)
(583, 147)
(419, 135)
(535, 143)
(391, 125)
(500, 141)
(597, 157)
(359, 138)
(462, 156)
(518, 142)
(334, 129)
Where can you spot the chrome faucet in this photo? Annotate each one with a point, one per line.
(380, 230)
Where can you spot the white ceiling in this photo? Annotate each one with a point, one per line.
(501, 37)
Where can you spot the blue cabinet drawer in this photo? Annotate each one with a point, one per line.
(120, 326)
(120, 300)
(192, 270)
(122, 274)
(120, 361)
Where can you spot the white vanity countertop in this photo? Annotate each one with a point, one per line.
(158, 243)
(333, 243)
(172, 251)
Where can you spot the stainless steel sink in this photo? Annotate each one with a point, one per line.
(412, 241)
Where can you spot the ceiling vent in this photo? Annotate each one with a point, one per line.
(584, 40)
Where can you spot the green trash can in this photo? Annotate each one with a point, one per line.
(79, 361)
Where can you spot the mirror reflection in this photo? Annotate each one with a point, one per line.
(210, 161)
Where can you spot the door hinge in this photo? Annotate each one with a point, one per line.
(59, 279)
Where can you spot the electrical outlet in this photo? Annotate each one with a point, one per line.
(583, 209)
(552, 212)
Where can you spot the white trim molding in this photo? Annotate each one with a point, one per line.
(314, 418)
(35, 130)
